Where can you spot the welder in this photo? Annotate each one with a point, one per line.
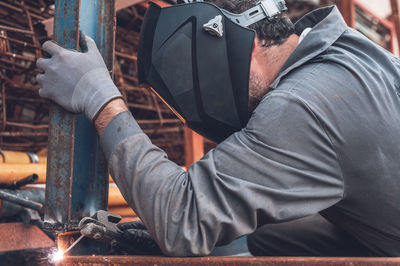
(306, 117)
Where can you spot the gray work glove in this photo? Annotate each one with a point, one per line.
(79, 82)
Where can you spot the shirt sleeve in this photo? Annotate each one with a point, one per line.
(281, 167)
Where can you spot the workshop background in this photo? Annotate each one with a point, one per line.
(24, 116)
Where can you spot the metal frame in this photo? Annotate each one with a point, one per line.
(386, 23)
(347, 8)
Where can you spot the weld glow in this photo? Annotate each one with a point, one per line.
(56, 256)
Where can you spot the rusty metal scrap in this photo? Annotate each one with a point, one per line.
(23, 121)
(17, 236)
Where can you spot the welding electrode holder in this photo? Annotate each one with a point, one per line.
(128, 238)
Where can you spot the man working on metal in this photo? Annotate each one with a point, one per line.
(307, 118)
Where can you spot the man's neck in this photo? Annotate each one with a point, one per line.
(277, 55)
(266, 64)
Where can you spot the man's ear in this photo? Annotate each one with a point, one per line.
(255, 45)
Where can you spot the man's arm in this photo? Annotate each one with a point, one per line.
(112, 109)
(280, 167)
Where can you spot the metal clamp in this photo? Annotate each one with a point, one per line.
(133, 239)
(102, 226)
(263, 9)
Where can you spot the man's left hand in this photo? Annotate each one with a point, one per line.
(79, 82)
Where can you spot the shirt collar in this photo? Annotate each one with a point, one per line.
(327, 26)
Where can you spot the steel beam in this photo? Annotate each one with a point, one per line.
(77, 178)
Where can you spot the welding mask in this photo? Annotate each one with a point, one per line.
(196, 57)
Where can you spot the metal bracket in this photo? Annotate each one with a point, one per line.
(215, 26)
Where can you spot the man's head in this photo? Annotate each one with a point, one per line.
(271, 33)
(203, 73)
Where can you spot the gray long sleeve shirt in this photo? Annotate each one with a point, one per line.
(325, 140)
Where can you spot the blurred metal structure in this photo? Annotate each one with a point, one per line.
(379, 30)
(24, 115)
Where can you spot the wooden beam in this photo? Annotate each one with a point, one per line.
(347, 8)
(194, 147)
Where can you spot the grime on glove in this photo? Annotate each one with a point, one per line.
(79, 82)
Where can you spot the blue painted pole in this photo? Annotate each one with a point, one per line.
(77, 178)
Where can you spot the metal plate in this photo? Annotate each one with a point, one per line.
(17, 236)
(284, 261)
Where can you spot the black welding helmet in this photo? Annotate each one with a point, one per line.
(196, 57)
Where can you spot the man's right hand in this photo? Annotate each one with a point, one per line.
(138, 238)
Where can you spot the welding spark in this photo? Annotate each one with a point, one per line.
(56, 256)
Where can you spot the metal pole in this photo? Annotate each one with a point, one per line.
(4, 195)
(77, 178)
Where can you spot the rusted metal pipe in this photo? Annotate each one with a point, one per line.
(15, 124)
(27, 58)
(38, 51)
(16, 30)
(2, 3)
(12, 63)
(8, 209)
(5, 195)
(18, 41)
(127, 56)
(20, 183)
(23, 134)
(18, 157)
